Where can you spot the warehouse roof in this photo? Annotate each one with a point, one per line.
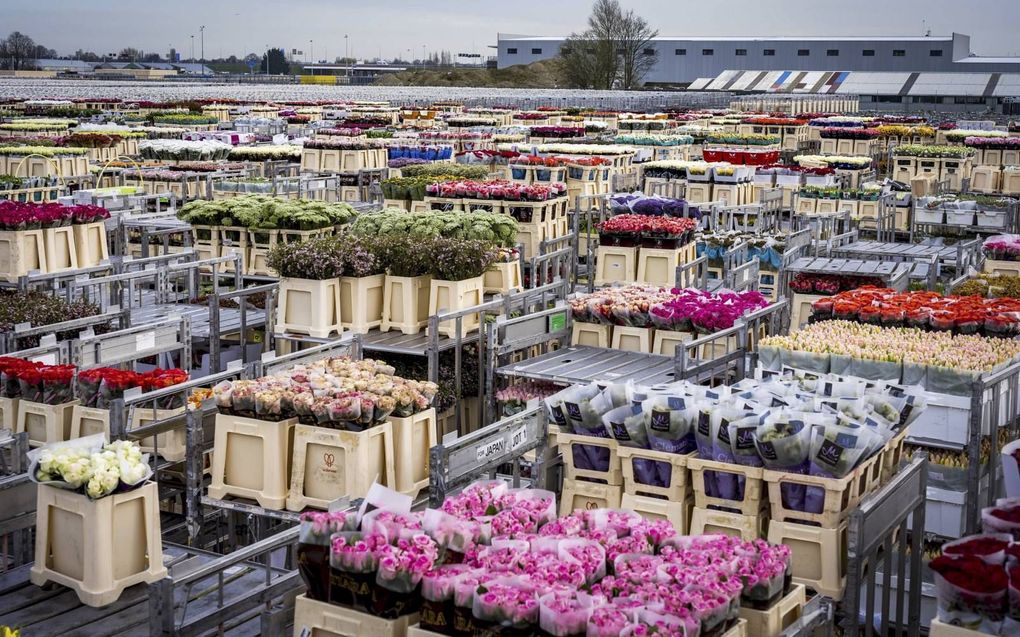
(864, 83)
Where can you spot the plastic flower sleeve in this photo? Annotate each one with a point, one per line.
(507, 602)
(564, 614)
(1004, 517)
(741, 434)
(30, 382)
(608, 620)
(990, 548)
(970, 593)
(730, 485)
(437, 592)
(835, 451)
(783, 442)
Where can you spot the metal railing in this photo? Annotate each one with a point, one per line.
(878, 533)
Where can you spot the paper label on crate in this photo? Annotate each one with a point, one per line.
(46, 359)
(145, 341)
(519, 438)
(318, 184)
(306, 631)
(490, 449)
(557, 322)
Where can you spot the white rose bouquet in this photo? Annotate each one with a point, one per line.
(91, 466)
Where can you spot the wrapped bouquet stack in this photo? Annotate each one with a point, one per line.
(494, 560)
(782, 456)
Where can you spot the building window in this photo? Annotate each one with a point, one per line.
(889, 99)
(769, 52)
(681, 51)
(511, 51)
(649, 52)
(741, 51)
(969, 100)
(803, 52)
(935, 53)
(708, 51)
(832, 53)
(899, 53)
(536, 51)
(868, 53)
(926, 99)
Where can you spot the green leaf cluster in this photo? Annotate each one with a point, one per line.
(267, 213)
(480, 225)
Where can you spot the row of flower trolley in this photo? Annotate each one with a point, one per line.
(352, 387)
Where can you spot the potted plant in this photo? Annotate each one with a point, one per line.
(361, 285)
(407, 284)
(458, 267)
(504, 275)
(309, 286)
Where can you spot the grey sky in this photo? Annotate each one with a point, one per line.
(391, 27)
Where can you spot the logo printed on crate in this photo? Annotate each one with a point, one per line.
(329, 459)
(591, 505)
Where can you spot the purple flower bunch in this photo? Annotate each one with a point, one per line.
(704, 311)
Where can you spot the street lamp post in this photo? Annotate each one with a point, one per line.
(192, 49)
(201, 30)
(347, 57)
(267, 59)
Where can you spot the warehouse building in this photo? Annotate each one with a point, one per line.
(681, 61)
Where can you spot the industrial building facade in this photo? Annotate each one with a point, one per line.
(680, 61)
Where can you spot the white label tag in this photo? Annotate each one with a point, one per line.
(519, 438)
(494, 448)
(46, 359)
(145, 341)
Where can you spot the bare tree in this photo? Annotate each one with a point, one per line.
(613, 52)
(130, 54)
(578, 60)
(86, 56)
(637, 52)
(17, 51)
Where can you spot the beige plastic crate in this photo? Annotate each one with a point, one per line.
(413, 437)
(748, 503)
(775, 619)
(633, 339)
(658, 266)
(503, 278)
(454, 296)
(939, 629)
(45, 423)
(666, 342)
(322, 619)
(309, 307)
(587, 496)
(172, 445)
(90, 243)
(613, 472)
(591, 334)
(97, 548)
(61, 254)
(20, 253)
(679, 488)
(330, 463)
(615, 264)
(251, 459)
(817, 556)
(710, 521)
(361, 302)
(677, 513)
(405, 304)
(86, 421)
(9, 413)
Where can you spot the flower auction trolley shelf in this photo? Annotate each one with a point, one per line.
(893, 275)
(950, 259)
